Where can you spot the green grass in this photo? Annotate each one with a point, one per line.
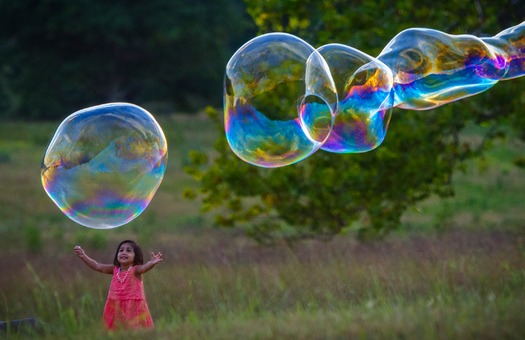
(464, 281)
(488, 194)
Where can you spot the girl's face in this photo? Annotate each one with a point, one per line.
(126, 255)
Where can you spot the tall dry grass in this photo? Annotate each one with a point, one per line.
(461, 284)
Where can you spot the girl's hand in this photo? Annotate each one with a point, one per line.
(156, 258)
(79, 251)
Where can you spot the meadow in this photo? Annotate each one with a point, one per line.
(454, 270)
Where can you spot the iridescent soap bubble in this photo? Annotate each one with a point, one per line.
(104, 164)
(432, 68)
(364, 88)
(282, 102)
(512, 44)
(279, 100)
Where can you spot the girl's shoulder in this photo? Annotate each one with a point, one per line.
(132, 271)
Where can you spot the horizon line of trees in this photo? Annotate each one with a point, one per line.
(59, 56)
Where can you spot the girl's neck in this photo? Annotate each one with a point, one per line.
(125, 267)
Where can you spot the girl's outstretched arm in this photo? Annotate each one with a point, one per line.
(155, 258)
(99, 267)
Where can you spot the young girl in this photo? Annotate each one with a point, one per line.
(126, 306)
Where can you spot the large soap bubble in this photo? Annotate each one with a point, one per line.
(511, 43)
(279, 100)
(282, 102)
(104, 164)
(364, 89)
(432, 68)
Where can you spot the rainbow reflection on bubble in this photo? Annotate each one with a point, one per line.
(364, 88)
(284, 100)
(279, 100)
(104, 164)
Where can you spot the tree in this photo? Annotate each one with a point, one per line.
(325, 193)
(58, 56)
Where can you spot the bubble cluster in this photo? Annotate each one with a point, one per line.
(280, 100)
(104, 164)
(284, 100)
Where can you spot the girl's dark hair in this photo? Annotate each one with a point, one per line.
(139, 258)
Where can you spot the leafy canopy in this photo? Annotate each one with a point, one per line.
(59, 56)
(326, 193)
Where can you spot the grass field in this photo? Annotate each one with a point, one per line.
(463, 280)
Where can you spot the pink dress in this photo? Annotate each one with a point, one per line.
(126, 306)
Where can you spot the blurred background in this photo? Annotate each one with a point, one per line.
(58, 56)
(420, 238)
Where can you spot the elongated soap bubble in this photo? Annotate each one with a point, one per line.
(104, 164)
(432, 68)
(282, 103)
(512, 42)
(279, 100)
(364, 89)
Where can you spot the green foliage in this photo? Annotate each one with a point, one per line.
(328, 194)
(58, 56)
(34, 238)
(369, 25)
